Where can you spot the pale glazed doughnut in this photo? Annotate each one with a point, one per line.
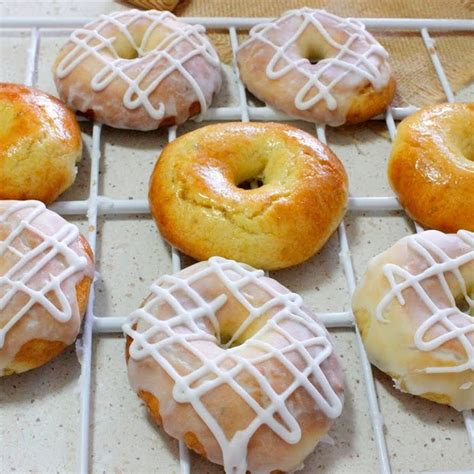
(199, 208)
(431, 167)
(233, 364)
(40, 144)
(46, 269)
(415, 311)
(138, 70)
(350, 83)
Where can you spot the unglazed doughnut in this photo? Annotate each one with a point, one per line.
(138, 70)
(199, 208)
(415, 311)
(46, 269)
(431, 168)
(233, 364)
(350, 82)
(40, 144)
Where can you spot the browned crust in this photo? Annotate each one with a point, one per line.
(433, 182)
(369, 103)
(152, 404)
(37, 352)
(288, 224)
(36, 163)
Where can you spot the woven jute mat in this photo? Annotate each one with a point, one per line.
(417, 81)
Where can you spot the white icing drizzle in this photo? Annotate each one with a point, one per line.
(439, 264)
(18, 277)
(188, 390)
(346, 61)
(89, 41)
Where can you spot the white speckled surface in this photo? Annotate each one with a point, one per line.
(39, 411)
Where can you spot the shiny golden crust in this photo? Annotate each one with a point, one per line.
(368, 102)
(199, 208)
(431, 168)
(40, 144)
(37, 352)
(390, 345)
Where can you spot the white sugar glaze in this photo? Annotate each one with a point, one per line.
(168, 56)
(358, 58)
(192, 327)
(443, 313)
(46, 273)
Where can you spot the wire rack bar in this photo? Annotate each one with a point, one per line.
(110, 206)
(113, 324)
(374, 410)
(243, 23)
(31, 62)
(430, 45)
(86, 341)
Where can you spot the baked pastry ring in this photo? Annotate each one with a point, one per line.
(318, 67)
(415, 312)
(138, 70)
(46, 269)
(431, 168)
(40, 144)
(233, 364)
(199, 207)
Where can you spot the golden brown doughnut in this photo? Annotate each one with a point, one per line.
(233, 364)
(199, 207)
(431, 168)
(46, 269)
(40, 144)
(318, 67)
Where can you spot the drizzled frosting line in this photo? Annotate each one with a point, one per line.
(17, 279)
(347, 59)
(188, 325)
(439, 264)
(163, 53)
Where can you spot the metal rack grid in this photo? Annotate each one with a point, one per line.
(97, 205)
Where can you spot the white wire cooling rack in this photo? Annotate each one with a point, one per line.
(101, 205)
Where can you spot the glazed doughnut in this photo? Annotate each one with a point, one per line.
(40, 144)
(199, 207)
(138, 70)
(46, 269)
(233, 364)
(415, 312)
(431, 168)
(317, 67)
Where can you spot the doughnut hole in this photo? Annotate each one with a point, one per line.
(125, 49)
(313, 47)
(201, 201)
(466, 142)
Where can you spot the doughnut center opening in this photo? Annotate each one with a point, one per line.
(468, 151)
(311, 47)
(463, 306)
(252, 183)
(313, 56)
